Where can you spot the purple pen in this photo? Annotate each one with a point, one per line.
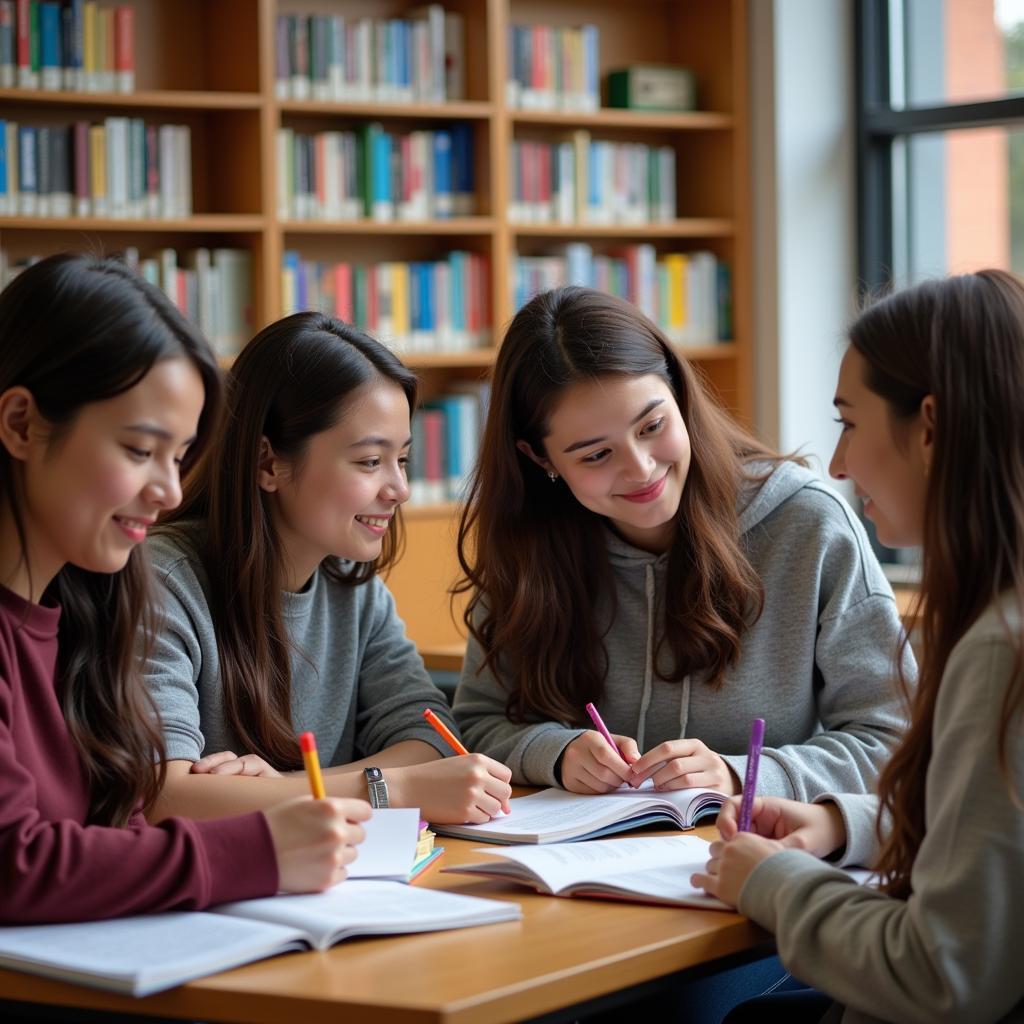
(750, 782)
(603, 729)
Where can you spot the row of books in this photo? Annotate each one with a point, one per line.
(435, 306)
(377, 174)
(553, 68)
(584, 181)
(688, 295)
(445, 443)
(122, 168)
(76, 45)
(394, 60)
(212, 287)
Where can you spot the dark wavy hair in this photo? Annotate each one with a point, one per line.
(74, 330)
(534, 559)
(291, 381)
(961, 340)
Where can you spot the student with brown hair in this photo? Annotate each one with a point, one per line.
(105, 391)
(625, 543)
(929, 398)
(276, 618)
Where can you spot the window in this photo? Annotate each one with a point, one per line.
(940, 124)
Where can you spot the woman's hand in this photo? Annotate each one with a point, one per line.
(226, 762)
(816, 828)
(730, 865)
(589, 765)
(453, 790)
(684, 764)
(315, 840)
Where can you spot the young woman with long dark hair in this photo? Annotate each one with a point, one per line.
(277, 619)
(929, 398)
(105, 391)
(625, 543)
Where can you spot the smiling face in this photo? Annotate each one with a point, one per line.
(887, 460)
(621, 447)
(341, 496)
(91, 491)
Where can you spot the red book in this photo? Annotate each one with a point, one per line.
(544, 176)
(433, 432)
(371, 298)
(343, 292)
(539, 54)
(405, 149)
(124, 47)
(24, 19)
(472, 293)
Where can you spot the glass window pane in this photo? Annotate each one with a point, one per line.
(961, 202)
(957, 51)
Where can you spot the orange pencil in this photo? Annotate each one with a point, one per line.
(445, 733)
(316, 781)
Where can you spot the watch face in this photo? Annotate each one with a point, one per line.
(374, 774)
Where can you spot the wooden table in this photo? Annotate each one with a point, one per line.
(565, 953)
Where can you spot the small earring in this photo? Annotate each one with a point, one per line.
(552, 475)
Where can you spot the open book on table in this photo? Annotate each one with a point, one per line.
(555, 816)
(653, 869)
(146, 954)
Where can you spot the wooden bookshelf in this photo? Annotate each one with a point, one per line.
(211, 64)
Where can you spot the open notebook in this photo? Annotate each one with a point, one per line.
(146, 954)
(555, 816)
(653, 869)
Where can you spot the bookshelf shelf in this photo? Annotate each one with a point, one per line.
(221, 223)
(455, 226)
(451, 111)
(690, 227)
(153, 99)
(435, 360)
(613, 118)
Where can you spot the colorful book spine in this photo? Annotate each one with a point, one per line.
(553, 68)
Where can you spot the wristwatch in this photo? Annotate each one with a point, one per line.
(376, 786)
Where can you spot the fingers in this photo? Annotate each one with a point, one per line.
(211, 761)
(627, 746)
(608, 763)
(728, 818)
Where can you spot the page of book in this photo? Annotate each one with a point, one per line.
(554, 815)
(145, 954)
(366, 907)
(389, 849)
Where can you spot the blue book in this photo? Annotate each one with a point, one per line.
(462, 168)
(28, 169)
(381, 205)
(591, 72)
(5, 192)
(444, 198)
(427, 298)
(72, 43)
(457, 303)
(50, 46)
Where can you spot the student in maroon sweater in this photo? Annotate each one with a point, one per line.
(105, 391)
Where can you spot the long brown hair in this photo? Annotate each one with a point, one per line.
(75, 330)
(960, 340)
(535, 559)
(291, 381)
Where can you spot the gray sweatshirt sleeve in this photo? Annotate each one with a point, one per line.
(172, 670)
(394, 687)
(951, 952)
(854, 688)
(530, 749)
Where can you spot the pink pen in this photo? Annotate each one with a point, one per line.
(603, 729)
(750, 782)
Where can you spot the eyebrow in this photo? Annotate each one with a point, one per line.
(575, 446)
(378, 442)
(151, 430)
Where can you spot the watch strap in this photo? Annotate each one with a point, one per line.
(376, 787)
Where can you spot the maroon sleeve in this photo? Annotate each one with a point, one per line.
(66, 871)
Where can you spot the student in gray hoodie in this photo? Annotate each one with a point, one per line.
(929, 395)
(275, 618)
(626, 543)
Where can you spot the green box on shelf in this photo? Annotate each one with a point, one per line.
(653, 87)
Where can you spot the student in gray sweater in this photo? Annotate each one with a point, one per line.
(275, 620)
(929, 396)
(626, 544)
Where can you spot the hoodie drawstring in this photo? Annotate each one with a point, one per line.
(645, 700)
